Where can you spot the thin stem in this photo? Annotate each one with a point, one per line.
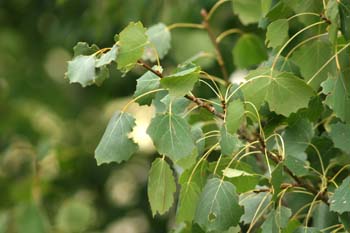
(327, 62)
(215, 44)
(228, 32)
(215, 7)
(194, 99)
(285, 45)
(303, 13)
(185, 25)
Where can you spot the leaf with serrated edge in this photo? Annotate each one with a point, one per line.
(340, 134)
(261, 86)
(82, 70)
(340, 201)
(213, 213)
(182, 82)
(115, 145)
(132, 41)
(171, 136)
(161, 187)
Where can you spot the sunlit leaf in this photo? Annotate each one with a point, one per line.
(115, 145)
(161, 187)
(132, 41)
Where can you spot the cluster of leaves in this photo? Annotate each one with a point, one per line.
(269, 154)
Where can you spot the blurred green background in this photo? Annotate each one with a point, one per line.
(49, 180)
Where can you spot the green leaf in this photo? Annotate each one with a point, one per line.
(340, 134)
(213, 213)
(251, 203)
(74, 216)
(234, 116)
(101, 75)
(229, 143)
(277, 219)
(132, 41)
(147, 82)
(160, 38)
(277, 33)
(249, 50)
(344, 11)
(277, 179)
(108, 57)
(332, 13)
(297, 136)
(340, 201)
(115, 145)
(188, 200)
(82, 70)
(182, 82)
(171, 136)
(337, 89)
(161, 187)
(261, 87)
(310, 58)
(83, 48)
(248, 11)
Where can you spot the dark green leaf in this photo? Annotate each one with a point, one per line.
(115, 145)
(147, 82)
(132, 41)
(249, 50)
(340, 134)
(251, 203)
(234, 116)
(229, 143)
(277, 33)
(340, 201)
(332, 13)
(213, 213)
(82, 48)
(171, 136)
(161, 187)
(277, 179)
(337, 89)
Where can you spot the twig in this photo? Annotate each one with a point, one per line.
(194, 99)
(212, 37)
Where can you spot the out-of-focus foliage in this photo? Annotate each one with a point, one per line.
(49, 180)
